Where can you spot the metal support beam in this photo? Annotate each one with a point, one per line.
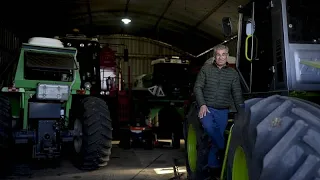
(127, 7)
(90, 17)
(213, 10)
(125, 14)
(163, 13)
(89, 12)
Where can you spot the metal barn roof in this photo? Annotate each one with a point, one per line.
(188, 24)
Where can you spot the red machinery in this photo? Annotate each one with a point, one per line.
(109, 85)
(108, 72)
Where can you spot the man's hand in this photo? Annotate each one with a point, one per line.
(203, 111)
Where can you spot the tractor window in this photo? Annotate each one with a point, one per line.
(174, 79)
(303, 21)
(173, 74)
(48, 66)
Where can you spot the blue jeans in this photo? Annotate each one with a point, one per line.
(214, 124)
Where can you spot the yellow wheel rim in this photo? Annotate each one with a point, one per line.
(240, 168)
(192, 148)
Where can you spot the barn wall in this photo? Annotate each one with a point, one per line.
(141, 52)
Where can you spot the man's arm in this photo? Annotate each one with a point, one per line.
(198, 87)
(237, 92)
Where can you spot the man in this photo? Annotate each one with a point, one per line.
(216, 87)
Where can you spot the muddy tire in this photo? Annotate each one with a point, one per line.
(96, 134)
(5, 135)
(279, 137)
(196, 145)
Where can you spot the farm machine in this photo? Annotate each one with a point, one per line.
(274, 135)
(49, 102)
(159, 101)
(100, 73)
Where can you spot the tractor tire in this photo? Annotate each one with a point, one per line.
(196, 145)
(96, 128)
(5, 135)
(275, 138)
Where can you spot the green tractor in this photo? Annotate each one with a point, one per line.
(46, 107)
(275, 135)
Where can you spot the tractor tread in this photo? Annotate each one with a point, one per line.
(5, 134)
(202, 146)
(283, 133)
(98, 133)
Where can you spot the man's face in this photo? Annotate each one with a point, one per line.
(221, 57)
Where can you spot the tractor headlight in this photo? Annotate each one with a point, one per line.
(53, 92)
(87, 85)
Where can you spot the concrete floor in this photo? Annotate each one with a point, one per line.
(134, 164)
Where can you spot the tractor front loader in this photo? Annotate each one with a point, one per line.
(48, 106)
(276, 132)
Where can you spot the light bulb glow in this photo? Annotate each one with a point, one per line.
(126, 20)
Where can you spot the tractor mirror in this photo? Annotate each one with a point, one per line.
(227, 26)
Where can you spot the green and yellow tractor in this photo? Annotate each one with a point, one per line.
(275, 135)
(46, 107)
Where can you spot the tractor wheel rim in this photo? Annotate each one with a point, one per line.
(192, 148)
(77, 139)
(240, 168)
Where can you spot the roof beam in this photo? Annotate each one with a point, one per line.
(163, 13)
(213, 10)
(89, 12)
(179, 23)
(127, 7)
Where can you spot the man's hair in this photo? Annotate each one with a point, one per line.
(219, 47)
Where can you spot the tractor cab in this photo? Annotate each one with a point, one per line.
(55, 65)
(88, 50)
(170, 78)
(279, 46)
(98, 64)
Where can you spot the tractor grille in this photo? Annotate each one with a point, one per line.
(49, 60)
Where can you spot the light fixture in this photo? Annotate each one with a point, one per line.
(126, 20)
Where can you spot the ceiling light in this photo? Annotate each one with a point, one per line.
(126, 20)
